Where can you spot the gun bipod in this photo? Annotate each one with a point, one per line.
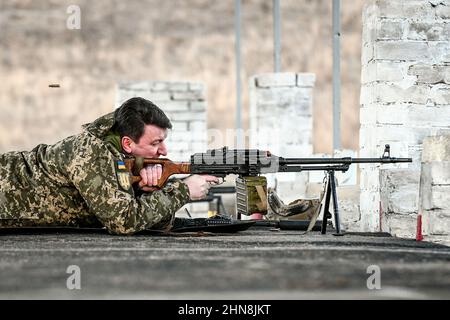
(331, 192)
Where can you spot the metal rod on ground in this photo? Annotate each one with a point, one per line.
(288, 224)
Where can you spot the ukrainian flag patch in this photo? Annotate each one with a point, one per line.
(121, 165)
(123, 176)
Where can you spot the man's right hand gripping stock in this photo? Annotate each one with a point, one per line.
(198, 185)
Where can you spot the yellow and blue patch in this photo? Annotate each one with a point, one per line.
(121, 165)
(123, 176)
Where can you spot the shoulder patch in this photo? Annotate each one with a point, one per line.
(121, 165)
(123, 176)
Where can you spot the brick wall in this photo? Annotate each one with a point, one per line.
(405, 97)
(281, 121)
(435, 189)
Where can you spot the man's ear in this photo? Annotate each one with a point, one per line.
(126, 143)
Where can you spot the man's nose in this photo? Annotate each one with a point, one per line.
(162, 151)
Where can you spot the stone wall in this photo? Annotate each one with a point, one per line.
(435, 189)
(405, 97)
(281, 109)
(281, 122)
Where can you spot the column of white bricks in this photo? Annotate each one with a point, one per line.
(405, 96)
(185, 105)
(435, 189)
(281, 122)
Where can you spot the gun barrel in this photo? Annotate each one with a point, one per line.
(300, 161)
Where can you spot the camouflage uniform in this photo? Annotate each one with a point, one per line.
(75, 183)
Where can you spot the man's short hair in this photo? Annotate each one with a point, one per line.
(131, 117)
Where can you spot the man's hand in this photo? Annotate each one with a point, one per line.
(150, 176)
(199, 185)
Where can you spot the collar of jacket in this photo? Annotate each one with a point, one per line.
(114, 139)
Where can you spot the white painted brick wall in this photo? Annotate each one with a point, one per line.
(399, 190)
(405, 97)
(270, 80)
(435, 188)
(281, 121)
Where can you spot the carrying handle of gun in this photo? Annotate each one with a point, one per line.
(169, 168)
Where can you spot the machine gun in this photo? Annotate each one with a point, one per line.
(249, 164)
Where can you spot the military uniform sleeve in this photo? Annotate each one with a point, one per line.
(103, 186)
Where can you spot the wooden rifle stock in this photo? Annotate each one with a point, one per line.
(135, 165)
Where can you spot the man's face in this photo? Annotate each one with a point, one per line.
(151, 144)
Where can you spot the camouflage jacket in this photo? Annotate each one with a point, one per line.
(76, 183)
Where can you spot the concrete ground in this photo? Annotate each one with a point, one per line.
(251, 264)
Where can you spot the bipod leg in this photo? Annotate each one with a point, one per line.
(335, 205)
(218, 203)
(326, 210)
